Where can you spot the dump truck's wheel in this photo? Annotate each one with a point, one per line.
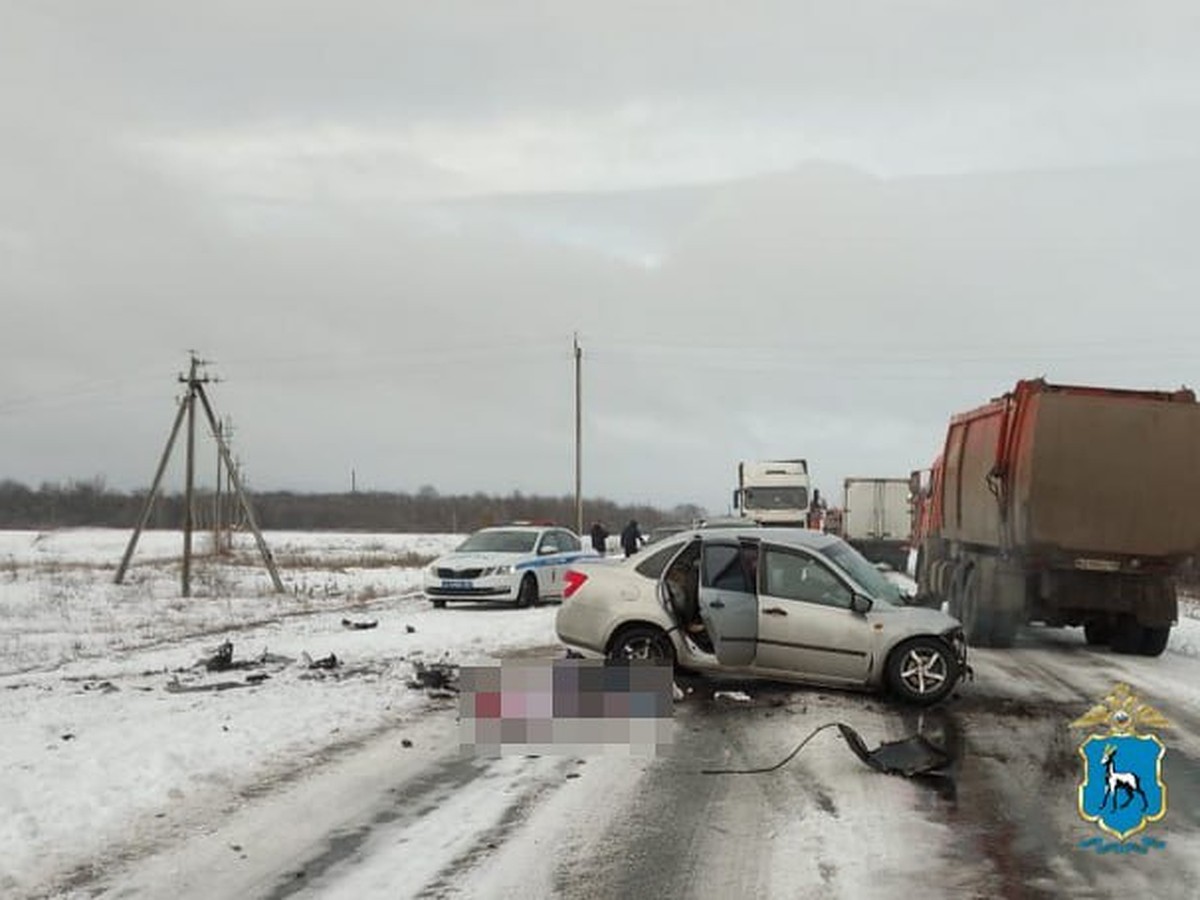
(976, 619)
(1096, 632)
(954, 591)
(1004, 628)
(1127, 636)
(1154, 640)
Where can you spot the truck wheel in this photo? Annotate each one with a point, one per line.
(977, 621)
(1127, 636)
(1004, 629)
(1096, 631)
(954, 591)
(922, 670)
(1154, 640)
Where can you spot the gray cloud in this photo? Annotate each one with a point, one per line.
(785, 230)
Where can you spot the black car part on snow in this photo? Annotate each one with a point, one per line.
(912, 756)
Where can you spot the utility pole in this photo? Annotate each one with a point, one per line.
(578, 437)
(187, 407)
(189, 510)
(217, 549)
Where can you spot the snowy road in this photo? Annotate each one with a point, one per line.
(128, 770)
(389, 822)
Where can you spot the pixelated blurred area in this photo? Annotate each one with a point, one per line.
(566, 706)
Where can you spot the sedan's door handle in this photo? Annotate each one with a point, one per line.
(717, 604)
(774, 611)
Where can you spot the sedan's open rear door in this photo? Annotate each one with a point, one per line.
(729, 600)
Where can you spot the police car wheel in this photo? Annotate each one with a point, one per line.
(527, 594)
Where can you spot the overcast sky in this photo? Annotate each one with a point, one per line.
(779, 229)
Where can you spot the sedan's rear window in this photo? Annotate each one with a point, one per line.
(654, 564)
(499, 542)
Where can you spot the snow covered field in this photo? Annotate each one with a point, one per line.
(113, 731)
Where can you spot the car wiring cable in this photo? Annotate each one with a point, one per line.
(779, 765)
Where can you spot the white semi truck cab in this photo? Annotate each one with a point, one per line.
(773, 492)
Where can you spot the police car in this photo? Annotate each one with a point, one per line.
(517, 564)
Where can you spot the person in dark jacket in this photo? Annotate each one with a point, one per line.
(631, 538)
(599, 538)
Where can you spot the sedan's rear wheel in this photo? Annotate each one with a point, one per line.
(642, 642)
(922, 670)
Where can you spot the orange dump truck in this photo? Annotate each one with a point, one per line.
(1064, 505)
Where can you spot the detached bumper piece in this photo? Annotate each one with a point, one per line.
(468, 592)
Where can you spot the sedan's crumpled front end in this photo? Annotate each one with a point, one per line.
(958, 641)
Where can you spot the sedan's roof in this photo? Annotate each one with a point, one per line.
(797, 537)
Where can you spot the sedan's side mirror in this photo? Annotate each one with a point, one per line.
(861, 604)
(546, 551)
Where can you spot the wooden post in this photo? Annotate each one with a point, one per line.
(578, 440)
(189, 482)
(237, 486)
(149, 505)
(217, 547)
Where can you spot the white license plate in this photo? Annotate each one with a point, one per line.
(455, 584)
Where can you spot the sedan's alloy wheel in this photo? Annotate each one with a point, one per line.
(924, 670)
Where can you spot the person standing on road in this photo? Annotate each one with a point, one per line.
(599, 538)
(631, 538)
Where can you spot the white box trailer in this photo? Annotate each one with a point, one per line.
(877, 519)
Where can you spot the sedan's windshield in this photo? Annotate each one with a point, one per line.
(775, 498)
(499, 542)
(858, 568)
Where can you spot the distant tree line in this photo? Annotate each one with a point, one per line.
(88, 503)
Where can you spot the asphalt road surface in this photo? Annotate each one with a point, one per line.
(427, 821)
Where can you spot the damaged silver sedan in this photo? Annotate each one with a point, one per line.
(781, 603)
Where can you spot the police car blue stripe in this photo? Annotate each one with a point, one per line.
(553, 560)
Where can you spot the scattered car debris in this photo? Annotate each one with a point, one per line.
(914, 756)
(408, 629)
(68, 736)
(406, 743)
(257, 677)
(222, 659)
(439, 676)
(736, 696)
(104, 687)
(325, 662)
(175, 686)
(361, 625)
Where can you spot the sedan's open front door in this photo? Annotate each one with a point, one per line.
(728, 599)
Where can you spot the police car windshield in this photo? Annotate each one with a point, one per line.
(499, 542)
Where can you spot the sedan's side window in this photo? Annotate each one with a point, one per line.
(568, 541)
(730, 567)
(796, 576)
